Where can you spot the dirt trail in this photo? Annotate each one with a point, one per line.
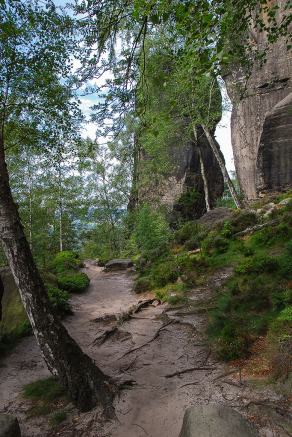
(151, 348)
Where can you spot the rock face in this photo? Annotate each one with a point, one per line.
(274, 160)
(252, 120)
(9, 426)
(182, 189)
(118, 264)
(215, 421)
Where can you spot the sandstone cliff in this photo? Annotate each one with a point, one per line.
(180, 189)
(261, 166)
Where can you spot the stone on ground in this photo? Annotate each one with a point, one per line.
(118, 264)
(9, 426)
(215, 421)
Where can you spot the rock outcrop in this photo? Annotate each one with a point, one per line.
(215, 421)
(118, 264)
(182, 189)
(274, 160)
(255, 115)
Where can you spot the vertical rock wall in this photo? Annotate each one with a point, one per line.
(253, 97)
(181, 190)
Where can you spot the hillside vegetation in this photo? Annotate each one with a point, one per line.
(255, 301)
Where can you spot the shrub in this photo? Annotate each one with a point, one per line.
(142, 284)
(165, 272)
(241, 221)
(75, 282)
(280, 339)
(59, 300)
(188, 231)
(64, 261)
(258, 264)
(286, 262)
(216, 243)
(151, 229)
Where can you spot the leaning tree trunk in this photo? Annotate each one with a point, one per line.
(205, 181)
(221, 163)
(85, 383)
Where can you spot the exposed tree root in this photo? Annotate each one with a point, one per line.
(190, 369)
(149, 341)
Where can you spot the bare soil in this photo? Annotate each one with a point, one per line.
(161, 349)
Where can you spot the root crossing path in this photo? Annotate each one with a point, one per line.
(161, 350)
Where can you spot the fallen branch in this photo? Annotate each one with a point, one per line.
(190, 369)
(149, 341)
(256, 228)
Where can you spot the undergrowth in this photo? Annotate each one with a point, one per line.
(255, 301)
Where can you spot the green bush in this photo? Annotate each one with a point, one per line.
(64, 261)
(215, 242)
(165, 272)
(59, 300)
(151, 229)
(258, 264)
(74, 282)
(142, 284)
(188, 231)
(241, 221)
(286, 262)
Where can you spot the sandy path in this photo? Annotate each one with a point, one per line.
(155, 405)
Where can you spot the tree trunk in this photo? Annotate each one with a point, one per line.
(221, 163)
(85, 383)
(205, 181)
(1, 296)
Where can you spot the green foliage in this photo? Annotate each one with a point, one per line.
(151, 229)
(74, 282)
(46, 396)
(286, 261)
(215, 242)
(64, 261)
(165, 272)
(172, 293)
(57, 418)
(188, 231)
(142, 284)
(258, 264)
(59, 300)
(47, 389)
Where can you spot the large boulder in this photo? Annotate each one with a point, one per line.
(9, 426)
(215, 421)
(118, 264)
(216, 216)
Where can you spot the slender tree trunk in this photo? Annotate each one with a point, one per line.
(221, 163)
(203, 172)
(60, 208)
(85, 383)
(205, 181)
(1, 296)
